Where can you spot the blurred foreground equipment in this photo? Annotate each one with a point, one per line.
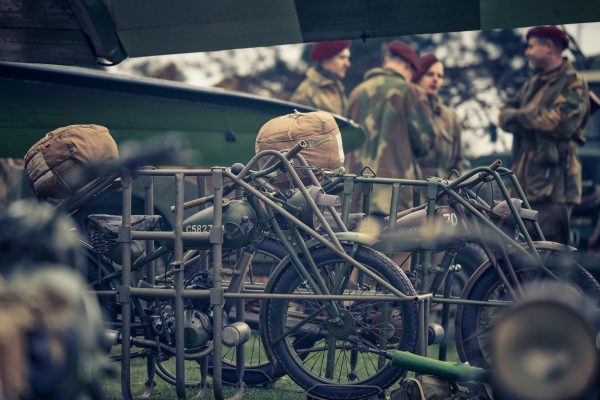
(546, 347)
(51, 329)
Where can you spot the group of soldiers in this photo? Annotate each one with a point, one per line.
(412, 134)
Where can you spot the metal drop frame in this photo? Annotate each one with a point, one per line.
(218, 295)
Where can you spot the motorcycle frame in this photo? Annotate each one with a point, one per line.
(436, 188)
(126, 294)
(352, 183)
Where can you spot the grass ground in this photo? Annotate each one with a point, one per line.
(283, 389)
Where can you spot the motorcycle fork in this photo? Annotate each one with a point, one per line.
(491, 255)
(311, 270)
(443, 272)
(314, 276)
(240, 271)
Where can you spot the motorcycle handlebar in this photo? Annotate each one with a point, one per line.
(294, 151)
(290, 154)
(480, 177)
(495, 165)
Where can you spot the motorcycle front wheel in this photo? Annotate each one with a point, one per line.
(347, 359)
(473, 323)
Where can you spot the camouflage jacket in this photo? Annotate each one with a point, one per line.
(398, 124)
(447, 152)
(321, 92)
(547, 118)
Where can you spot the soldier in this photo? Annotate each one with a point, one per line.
(397, 120)
(323, 88)
(547, 119)
(446, 153)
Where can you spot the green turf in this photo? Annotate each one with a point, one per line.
(283, 389)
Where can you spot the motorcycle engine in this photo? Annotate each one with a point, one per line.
(197, 326)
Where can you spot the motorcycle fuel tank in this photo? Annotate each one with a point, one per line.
(239, 225)
(416, 230)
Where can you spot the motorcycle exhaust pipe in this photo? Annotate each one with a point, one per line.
(236, 334)
(435, 333)
(233, 335)
(111, 337)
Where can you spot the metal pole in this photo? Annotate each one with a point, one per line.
(446, 312)
(432, 188)
(392, 222)
(240, 361)
(347, 200)
(124, 297)
(201, 189)
(179, 309)
(216, 296)
(150, 274)
(422, 329)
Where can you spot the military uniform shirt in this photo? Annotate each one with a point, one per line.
(321, 92)
(547, 118)
(446, 153)
(398, 126)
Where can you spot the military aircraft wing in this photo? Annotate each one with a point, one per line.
(80, 32)
(221, 125)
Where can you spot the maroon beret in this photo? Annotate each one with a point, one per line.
(550, 32)
(323, 50)
(425, 62)
(405, 52)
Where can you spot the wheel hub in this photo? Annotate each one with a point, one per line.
(341, 329)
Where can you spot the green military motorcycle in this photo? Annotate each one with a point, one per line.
(455, 215)
(329, 313)
(330, 307)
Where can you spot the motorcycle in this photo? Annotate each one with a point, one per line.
(321, 326)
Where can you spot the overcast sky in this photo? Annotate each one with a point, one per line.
(205, 69)
(588, 37)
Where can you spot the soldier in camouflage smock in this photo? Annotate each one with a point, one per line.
(397, 120)
(323, 88)
(446, 154)
(547, 119)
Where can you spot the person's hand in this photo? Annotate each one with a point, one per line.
(508, 120)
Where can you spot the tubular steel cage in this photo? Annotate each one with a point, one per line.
(217, 295)
(126, 293)
(350, 184)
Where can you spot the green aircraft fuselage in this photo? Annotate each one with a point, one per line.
(221, 126)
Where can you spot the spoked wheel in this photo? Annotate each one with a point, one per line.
(345, 359)
(165, 372)
(468, 258)
(258, 368)
(473, 323)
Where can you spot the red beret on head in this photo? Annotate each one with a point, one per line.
(405, 52)
(425, 62)
(323, 50)
(550, 32)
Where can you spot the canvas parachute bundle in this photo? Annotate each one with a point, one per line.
(318, 129)
(62, 153)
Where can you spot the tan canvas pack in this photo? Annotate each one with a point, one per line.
(324, 142)
(65, 150)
